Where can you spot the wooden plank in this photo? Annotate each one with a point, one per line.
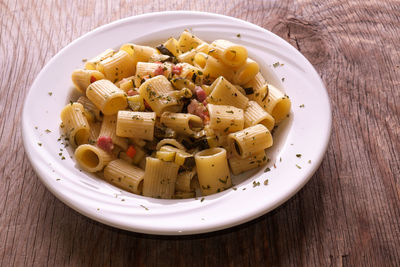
(347, 215)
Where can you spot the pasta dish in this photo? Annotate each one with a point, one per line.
(174, 121)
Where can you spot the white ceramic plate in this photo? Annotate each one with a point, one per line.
(305, 132)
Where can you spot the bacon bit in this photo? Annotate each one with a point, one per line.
(132, 92)
(192, 106)
(92, 79)
(200, 94)
(206, 119)
(159, 70)
(198, 109)
(205, 103)
(146, 105)
(105, 143)
(131, 152)
(177, 69)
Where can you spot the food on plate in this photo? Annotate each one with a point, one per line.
(173, 121)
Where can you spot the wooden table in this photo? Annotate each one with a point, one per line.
(347, 215)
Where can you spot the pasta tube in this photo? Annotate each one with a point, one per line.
(182, 195)
(239, 165)
(204, 48)
(246, 72)
(118, 66)
(140, 53)
(277, 104)
(159, 178)
(92, 158)
(83, 78)
(187, 57)
(136, 124)
(231, 54)
(225, 118)
(250, 140)
(92, 63)
(173, 46)
(90, 109)
(107, 97)
(212, 67)
(183, 123)
(171, 142)
(109, 129)
(255, 114)
(254, 87)
(190, 72)
(184, 181)
(75, 124)
(212, 170)
(188, 41)
(224, 93)
(153, 69)
(159, 94)
(124, 175)
(94, 132)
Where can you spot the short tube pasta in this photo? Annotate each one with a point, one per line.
(107, 97)
(118, 66)
(212, 68)
(83, 78)
(183, 123)
(256, 89)
(255, 114)
(159, 94)
(226, 119)
(75, 124)
(173, 46)
(188, 41)
(109, 129)
(231, 54)
(91, 64)
(239, 165)
(124, 175)
(94, 131)
(159, 178)
(140, 53)
(277, 104)
(224, 93)
(91, 158)
(187, 57)
(90, 109)
(246, 72)
(184, 181)
(136, 124)
(250, 140)
(151, 69)
(212, 170)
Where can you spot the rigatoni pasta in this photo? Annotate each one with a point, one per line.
(124, 175)
(212, 170)
(255, 114)
(92, 158)
(253, 139)
(135, 124)
(159, 178)
(107, 97)
(75, 124)
(224, 93)
(226, 119)
(175, 121)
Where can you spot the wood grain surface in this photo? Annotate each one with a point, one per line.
(347, 215)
